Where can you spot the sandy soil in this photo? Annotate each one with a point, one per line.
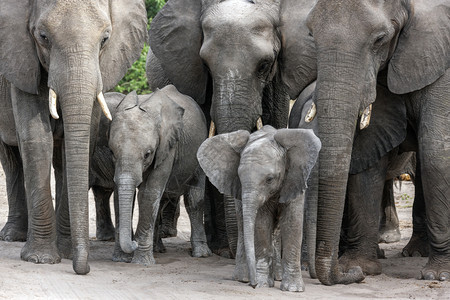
(179, 276)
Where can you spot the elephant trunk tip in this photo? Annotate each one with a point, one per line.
(129, 247)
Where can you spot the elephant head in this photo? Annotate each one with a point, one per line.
(402, 45)
(77, 49)
(143, 138)
(267, 165)
(236, 57)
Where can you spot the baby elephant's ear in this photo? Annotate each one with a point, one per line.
(219, 158)
(302, 149)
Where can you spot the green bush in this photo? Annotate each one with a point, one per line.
(135, 78)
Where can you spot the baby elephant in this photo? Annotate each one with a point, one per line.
(267, 170)
(154, 139)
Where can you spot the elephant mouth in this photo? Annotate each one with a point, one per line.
(52, 98)
(212, 127)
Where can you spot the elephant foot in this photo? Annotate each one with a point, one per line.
(369, 266)
(106, 232)
(44, 252)
(437, 268)
(264, 280)
(241, 273)
(223, 252)
(389, 236)
(417, 246)
(14, 232)
(80, 261)
(158, 246)
(292, 284)
(167, 230)
(200, 249)
(65, 246)
(144, 258)
(120, 256)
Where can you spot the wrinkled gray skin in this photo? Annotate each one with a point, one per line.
(403, 46)
(67, 46)
(367, 191)
(267, 172)
(226, 55)
(154, 139)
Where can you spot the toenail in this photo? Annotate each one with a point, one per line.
(429, 276)
(444, 276)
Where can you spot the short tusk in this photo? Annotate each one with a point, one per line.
(365, 117)
(212, 129)
(311, 113)
(52, 104)
(104, 106)
(259, 123)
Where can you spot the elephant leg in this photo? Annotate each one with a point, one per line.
(364, 193)
(158, 245)
(16, 226)
(149, 202)
(434, 155)
(389, 224)
(418, 245)
(169, 218)
(264, 227)
(291, 226)
(34, 133)
(194, 203)
(215, 224)
(105, 228)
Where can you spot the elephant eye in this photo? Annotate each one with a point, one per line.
(264, 67)
(147, 154)
(270, 179)
(104, 39)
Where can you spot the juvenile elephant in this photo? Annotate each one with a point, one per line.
(227, 56)
(267, 172)
(403, 47)
(60, 56)
(154, 139)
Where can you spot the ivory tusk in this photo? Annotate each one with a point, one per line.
(311, 113)
(52, 104)
(212, 129)
(365, 117)
(104, 106)
(259, 123)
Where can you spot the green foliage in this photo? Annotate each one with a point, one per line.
(135, 78)
(153, 6)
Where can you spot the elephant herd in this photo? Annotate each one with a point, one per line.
(372, 84)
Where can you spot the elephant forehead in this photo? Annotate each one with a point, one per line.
(263, 151)
(230, 15)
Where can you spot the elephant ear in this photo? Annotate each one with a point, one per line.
(175, 38)
(19, 63)
(219, 158)
(171, 123)
(128, 35)
(387, 130)
(298, 53)
(302, 149)
(423, 50)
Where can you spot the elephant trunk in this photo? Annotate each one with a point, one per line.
(234, 98)
(249, 212)
(126, 188)
(231, 222)
(338, 102)
(77, 85)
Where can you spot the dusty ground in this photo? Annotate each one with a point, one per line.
(179, 276)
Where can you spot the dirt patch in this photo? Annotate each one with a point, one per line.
(179, 276)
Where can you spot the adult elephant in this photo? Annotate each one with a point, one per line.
(404, 46)
(77, 49)
(237, 59)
